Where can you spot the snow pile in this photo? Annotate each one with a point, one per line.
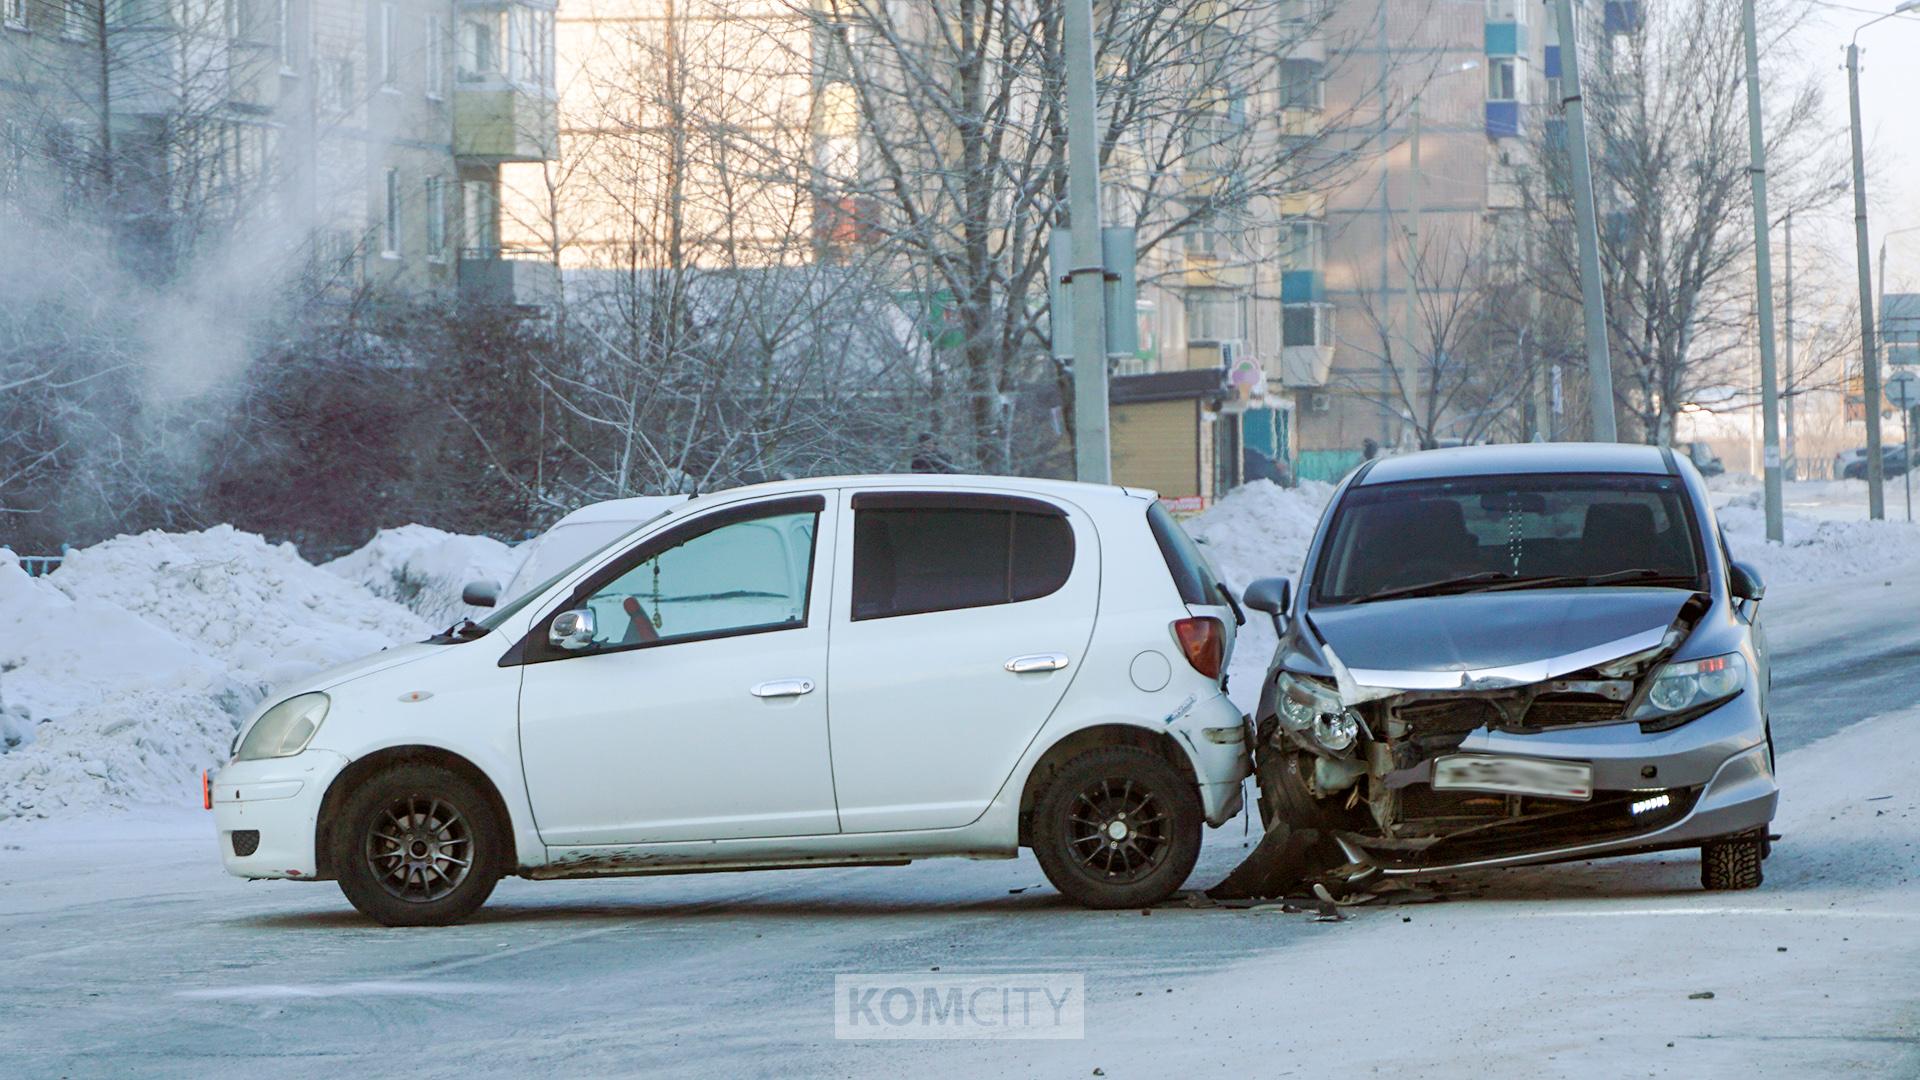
(425, 569)
(1814, 550)
(1259, 530)
(126, 671)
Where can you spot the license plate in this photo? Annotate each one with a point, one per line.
(1513, 776)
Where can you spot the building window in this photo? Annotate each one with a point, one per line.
(389, 46)
(436, 58)
(1503, 79)
(73, 20)
(1300, 84)
(14, 13)
(480, 217)
(1300, 245)
(336, 84)
(479, 46)
(1307, 324)
(531, 34)
(285, 42)
(1506, 11)
(390, 225)
(436, 219)
(1216, 315)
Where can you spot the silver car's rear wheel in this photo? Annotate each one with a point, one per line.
(420, 848)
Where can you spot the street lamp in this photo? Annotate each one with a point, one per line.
(1869, 358)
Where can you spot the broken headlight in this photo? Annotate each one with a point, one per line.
(1313, 711)
(1691, 687)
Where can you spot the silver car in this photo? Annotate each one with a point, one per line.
(1505, 655)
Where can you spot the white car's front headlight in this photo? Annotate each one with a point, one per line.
(1692, 686)
(285, 729)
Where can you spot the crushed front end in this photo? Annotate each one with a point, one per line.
(1609, 750)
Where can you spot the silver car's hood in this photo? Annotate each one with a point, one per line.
(1485, 640)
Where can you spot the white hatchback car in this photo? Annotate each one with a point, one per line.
(862, 670)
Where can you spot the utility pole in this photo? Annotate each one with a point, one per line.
(1869, 359)
(1763, 279)
(1592, 300)
(1421, 432)
(1790, 463)
(1092, 450)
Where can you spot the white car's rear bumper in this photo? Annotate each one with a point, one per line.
(273, 807)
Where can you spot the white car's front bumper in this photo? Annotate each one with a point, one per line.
(277, 801)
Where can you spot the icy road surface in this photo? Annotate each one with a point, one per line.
(127, 952)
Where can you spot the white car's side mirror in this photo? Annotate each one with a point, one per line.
(480, 593)
(571, 630)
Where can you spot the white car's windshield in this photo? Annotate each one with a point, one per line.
(1498, 532)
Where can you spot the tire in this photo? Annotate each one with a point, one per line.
(399, 840)
(1730, 865)
(1074, 819)
(1284, 794)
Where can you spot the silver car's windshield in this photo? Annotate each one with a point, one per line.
(1431, 537)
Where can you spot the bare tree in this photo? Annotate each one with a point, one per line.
(1670, 153)
(1451, 372)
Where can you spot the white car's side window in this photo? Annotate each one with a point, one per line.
(743, 576)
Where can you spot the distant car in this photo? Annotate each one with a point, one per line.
(1703, 458)
(865, 670)
(1852, 464)
(1519, 654)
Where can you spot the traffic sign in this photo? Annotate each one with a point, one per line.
(1903, 390)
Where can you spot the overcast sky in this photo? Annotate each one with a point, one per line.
(1890, 114)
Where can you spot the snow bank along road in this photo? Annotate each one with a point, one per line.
(126, 951)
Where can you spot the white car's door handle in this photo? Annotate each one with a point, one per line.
(1046, 661)
(783, 688)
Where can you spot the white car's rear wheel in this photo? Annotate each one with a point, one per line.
(1117, 827)
(417, 845)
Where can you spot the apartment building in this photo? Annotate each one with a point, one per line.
(366, 135)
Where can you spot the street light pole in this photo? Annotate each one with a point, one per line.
(1790, 463)
(1763, 281)
(1592, 300)
(1869, 356)
(1092, 450)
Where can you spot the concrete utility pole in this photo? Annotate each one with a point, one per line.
(1869, 359)
(1869, 356)
(1586, 218)
(1092, 449)
(1763, 280)
(1790, 463)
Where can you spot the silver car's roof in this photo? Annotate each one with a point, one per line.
(1508, 459)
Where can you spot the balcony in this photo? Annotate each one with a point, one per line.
(494, 123)
(1503, 119)
(1300, 287)
(1306, 344)
(496, 278)
(1622, 17)
(1506, 39)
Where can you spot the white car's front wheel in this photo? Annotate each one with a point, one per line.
(417, 845)
(1117, 827)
